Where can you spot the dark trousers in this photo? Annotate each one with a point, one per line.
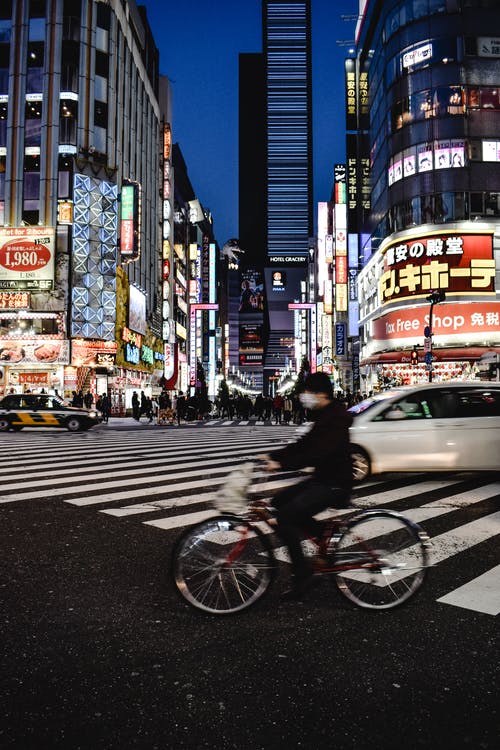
(296, 506)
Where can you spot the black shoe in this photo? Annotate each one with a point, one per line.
(300, 589)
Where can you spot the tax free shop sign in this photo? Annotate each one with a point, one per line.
(482, 318)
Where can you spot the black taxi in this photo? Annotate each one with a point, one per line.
(18, 410)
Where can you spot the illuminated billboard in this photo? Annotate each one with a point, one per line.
(130, 220)
(137, 310)
(27, 258)
(454, 263)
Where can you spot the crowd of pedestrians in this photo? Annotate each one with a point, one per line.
(174, 408)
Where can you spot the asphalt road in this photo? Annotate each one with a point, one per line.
(98, 651)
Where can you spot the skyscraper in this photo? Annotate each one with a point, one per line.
(287, 49)
(275, 210)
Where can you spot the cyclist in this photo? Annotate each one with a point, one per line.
(326, 448)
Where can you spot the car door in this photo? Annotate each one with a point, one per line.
(402, 436)
(468, 425)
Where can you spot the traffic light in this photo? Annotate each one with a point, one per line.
(414, 357)
(436, 297)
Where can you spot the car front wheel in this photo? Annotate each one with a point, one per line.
(360, 464)
(4, 424)
(73, 424)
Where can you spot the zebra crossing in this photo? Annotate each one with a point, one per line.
(168, 480)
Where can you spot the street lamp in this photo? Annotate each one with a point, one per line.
(434, 298)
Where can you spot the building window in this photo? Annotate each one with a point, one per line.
(37, 8)
(101, 64)
(492, 204)
(68, 113)
(101, 114)
(31, 186)
(34, 77)
(33, 124)
(3, 124)
(71, 20)
(101, 88)
(36, 30)
(65, 177)
(4, 68)
(69, 66)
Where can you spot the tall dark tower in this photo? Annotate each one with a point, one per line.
(276, 202)
(287, 50)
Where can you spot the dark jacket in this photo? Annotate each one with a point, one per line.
(325, 447)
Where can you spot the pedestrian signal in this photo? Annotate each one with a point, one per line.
(414, 357)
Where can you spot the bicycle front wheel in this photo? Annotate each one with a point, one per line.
(223, 565)
(383, 560)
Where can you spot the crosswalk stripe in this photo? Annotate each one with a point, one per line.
(176, 502)
(205, 455)
(468, 535)
(178, 521)
(482, 594)
(387, 497)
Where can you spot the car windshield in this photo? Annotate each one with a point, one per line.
(369, 402)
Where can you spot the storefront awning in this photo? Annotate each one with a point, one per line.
(463, 354)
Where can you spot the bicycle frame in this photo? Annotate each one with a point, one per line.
(326, 546)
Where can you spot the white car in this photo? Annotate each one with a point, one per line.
(434, 427)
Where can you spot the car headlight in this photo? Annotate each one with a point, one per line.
(93, 414)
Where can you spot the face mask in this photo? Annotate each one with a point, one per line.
(309, 400)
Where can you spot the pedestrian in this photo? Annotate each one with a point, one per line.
(181, 407)
(278, 408)
(148, 408)
(144, 404)
(287, 409)
(105, 407)
(164, 405)
(136, 406)
(88, 399)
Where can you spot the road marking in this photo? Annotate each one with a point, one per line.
(482, 594)
(176, 502)
(178, 521)
(387, 497)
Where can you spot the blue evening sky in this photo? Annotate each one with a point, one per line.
(199, 43)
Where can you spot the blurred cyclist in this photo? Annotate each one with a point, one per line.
(326, 448)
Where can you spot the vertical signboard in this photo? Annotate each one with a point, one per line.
(350, 95)
(130, 220)
(340, 340)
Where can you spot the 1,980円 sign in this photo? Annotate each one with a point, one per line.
(26, 258)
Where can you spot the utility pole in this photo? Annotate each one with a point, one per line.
(434, 298)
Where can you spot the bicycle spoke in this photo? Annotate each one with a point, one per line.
(391, 561)
(223, 565)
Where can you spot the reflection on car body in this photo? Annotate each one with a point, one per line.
(43, 410)
(434, 427)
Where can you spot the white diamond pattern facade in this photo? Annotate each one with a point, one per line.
(94, 256)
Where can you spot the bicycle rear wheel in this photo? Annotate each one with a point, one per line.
(384, 560)
(223, 565)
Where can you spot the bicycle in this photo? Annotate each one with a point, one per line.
(226, 564)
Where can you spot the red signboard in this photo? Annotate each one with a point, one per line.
(477, 317)
(14, 300)
(454, 263)
(341, 269)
